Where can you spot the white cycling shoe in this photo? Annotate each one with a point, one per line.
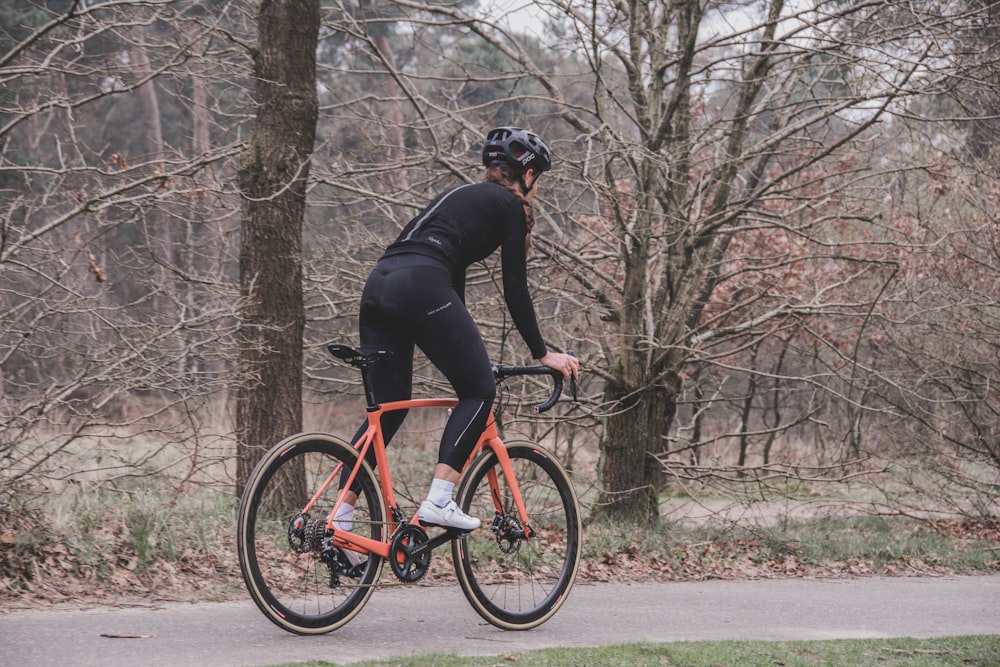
(449, 516)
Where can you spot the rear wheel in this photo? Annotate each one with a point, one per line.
(289, 566)
(517, 577)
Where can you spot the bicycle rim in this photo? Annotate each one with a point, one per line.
(518, 585)
(291, 583)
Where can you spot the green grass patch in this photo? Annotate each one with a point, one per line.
(974, 651)
(144, 524)
(132, 539)
(830, 545)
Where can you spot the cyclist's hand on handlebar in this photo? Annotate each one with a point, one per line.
(566, 363)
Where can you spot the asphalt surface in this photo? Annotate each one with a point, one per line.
(404, 621)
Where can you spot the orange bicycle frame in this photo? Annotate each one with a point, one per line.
(372, 438)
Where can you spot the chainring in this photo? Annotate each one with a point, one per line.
(407, 566)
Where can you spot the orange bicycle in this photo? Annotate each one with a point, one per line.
(308, 577)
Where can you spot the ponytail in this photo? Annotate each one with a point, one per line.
(510, 180)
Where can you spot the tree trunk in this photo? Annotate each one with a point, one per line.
(161, 238)
(272, 178)
(629, 468)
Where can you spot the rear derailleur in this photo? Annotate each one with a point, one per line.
(306, 535)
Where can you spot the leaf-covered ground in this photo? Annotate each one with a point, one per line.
(39, 568)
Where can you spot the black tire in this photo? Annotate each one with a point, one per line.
(293, 587)
(518, 586)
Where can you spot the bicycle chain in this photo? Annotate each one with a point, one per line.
(306, 534)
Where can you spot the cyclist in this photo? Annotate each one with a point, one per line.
(415, 295)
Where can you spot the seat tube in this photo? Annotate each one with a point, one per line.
(384, 474)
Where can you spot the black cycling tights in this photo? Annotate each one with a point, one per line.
(410, 300)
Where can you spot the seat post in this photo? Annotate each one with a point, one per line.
(362, 362)
(364, 365)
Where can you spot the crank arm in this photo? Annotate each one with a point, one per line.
(434, 542)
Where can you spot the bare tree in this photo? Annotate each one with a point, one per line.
(273, 173)
(737, 237)
(99, 321)
(712, 124)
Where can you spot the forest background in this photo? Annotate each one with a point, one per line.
(771, 236)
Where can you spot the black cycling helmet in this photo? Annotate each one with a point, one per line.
(517, 148)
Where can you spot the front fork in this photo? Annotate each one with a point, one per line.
(508, 527)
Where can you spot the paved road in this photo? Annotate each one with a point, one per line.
(438, 619)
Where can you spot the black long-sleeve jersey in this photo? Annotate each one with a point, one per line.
(466, 224)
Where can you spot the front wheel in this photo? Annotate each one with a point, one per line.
(515, 576)
(292, 571)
